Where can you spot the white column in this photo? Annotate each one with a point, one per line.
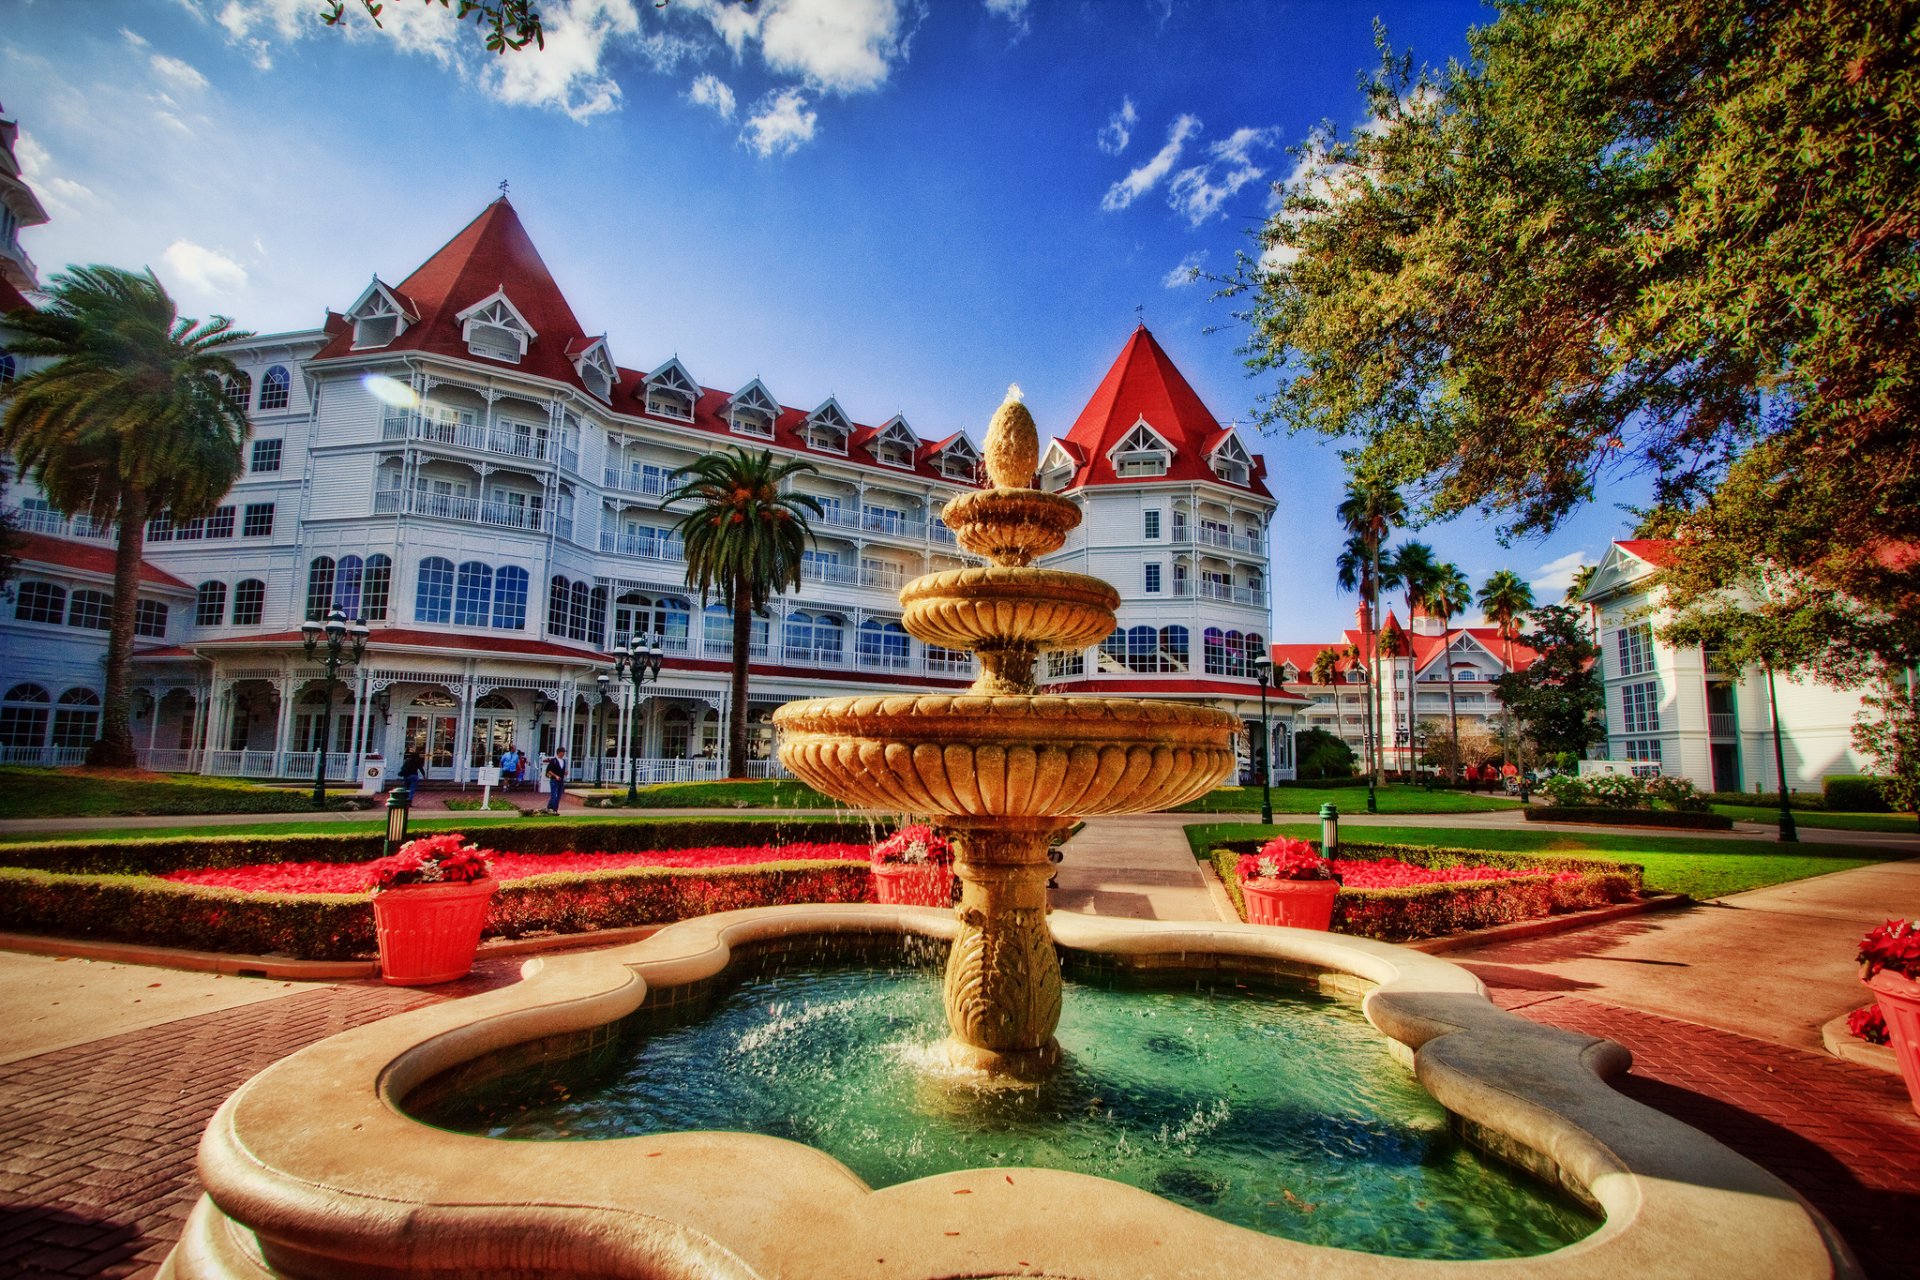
(463, 734)
(283, 728)
(354, 742)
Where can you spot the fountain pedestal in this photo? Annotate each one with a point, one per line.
(1003, 975)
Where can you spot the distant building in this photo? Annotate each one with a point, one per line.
(1676, 712)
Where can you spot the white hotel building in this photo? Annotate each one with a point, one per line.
(455, 460)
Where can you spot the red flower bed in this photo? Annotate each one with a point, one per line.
(359, 877)
(1391, 873)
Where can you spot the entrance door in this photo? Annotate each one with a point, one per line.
(434, 735)
(492, 735)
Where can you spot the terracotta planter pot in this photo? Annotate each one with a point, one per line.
(1899, 999)
(913, 884)
(1298, 904)
(428, 932)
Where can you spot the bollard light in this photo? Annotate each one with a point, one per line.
(1329, 830)
(396, 820)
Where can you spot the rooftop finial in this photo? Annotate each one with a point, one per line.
(503, 188)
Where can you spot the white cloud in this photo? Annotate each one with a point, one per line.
(1278, 255)
(1198, 193)
(133, 38)
(1557, 575)
(1015, 12)
(62, 196)
(205, 271)
(836, 46)
(1147, 176)
(569, 74)
(710, 90)
(180, 74)
(1187, 272)
(780, 124)
(1119, 131)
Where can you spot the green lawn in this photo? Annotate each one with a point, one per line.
(59, 793)
(773, 793)
(362, 826)
(1674, 864)
(1392, 798)
(1900, 823)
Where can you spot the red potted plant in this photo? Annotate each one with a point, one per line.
(429, 905)
(1288, 883)
(1890, 964)
(913, 868)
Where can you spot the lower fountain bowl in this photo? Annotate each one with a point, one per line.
(1031, 756)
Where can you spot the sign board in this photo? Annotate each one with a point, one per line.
(488, 775)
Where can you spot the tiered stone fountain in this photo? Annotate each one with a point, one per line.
(1004, 767)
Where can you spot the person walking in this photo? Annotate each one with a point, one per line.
(509, 767)
(557, 777)
(412, 766)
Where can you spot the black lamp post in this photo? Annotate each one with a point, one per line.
(342, 644)
(1366, 679)
(640, 663)
(1789, 834)
(605, 681)
(1263, 672)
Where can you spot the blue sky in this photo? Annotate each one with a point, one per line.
(905, 203)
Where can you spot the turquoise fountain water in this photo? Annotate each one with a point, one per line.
(1272, 1109)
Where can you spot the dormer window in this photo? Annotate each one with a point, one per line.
(958, 460)
(597, 382)
(1056, 469)
(671, 392)
(596, 369)
(378, 317)
(1142, 453)
(1230, 461)
(826, 429)
(894, 444)
(495, 330)
(751, 411)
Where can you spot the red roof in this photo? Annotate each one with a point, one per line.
(1655, 551)
(1209, 688)
(494, 253)
(11, 299)
(406, 638)
(1145, 384)
(39, 548)
(1427, 649)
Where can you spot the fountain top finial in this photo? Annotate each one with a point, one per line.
(1013, 444)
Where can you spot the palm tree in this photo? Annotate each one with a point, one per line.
(1369, 512)
(1447, 596)
(1354, 571)
(744, 541)
(1506, 598)
(130, 420)
(1411, 570)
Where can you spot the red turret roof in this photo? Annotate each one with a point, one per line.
(1655, 551)
(1144, 384)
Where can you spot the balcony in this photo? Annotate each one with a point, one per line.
(894, 524)
(1720, 724)
(1208, 590)
(645, 546)
(42, 520)
(877, 577)
(504, 438)
(648, 484)
(487, 511)
(1225, 539)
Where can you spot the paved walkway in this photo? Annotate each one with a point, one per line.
(115, 1069)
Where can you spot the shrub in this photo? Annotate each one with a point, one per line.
(1685, 821)
(1855, 793)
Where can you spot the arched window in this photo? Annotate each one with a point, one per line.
(90, 609)
(472, 594)
(797, 635)
(249, 602)
(1213, 647)
(274, 388)
(1173, 647)
(632, 615)
(717, 632)
(559, 591)
(884, 644)
(239, 391)
(319, 588)
(596, 633)
(210, 604)
(579, 606)
(376, 582)
(510, 599)
(1236, 654)
(40, 602)
(1143, 648)
(433, 596)
(1255, 646)
(76, 721)
(347, 583)
(671, 616)
(676, 728)
(23, 718)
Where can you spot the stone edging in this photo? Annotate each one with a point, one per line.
(315, 1155)
(1843, 1044)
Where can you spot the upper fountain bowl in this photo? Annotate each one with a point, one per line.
(1022, 756)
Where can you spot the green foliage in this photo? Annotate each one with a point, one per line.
(1855, 793)
(464, 804)
(1319, 754)
(1889, 730)
(509, 24)
(770, 793)
(1308, 797)
(1624, 791)
(1557, 700)
(1679, 237)
(1685, 820)
(48, 793)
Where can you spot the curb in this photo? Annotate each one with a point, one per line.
(1546, 926)
(285, 967)
(1847, 1047)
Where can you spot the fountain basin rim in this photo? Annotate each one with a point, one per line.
(1049, 717)
(314, 1156)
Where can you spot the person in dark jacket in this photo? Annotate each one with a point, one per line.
(413, 766)
(556, 778)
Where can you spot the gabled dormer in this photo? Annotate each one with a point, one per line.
(751, 411)
(1287, 673)
(1231, 461)
(956, 459)
(893, 445)
(494, 329)
(671, 391)
(598, 372)
(379, 316)
(1141, 453)
(826, 428)
(1057, 468)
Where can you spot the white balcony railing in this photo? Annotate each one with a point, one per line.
(41, 520)
(652, 484)
(44, 756)
(1720, 724)
(508, 439)
(1207, 590)
(488, 511)
(645, 546)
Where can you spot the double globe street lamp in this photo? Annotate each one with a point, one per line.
(1263, 672)
(640, 662)
(335, 643)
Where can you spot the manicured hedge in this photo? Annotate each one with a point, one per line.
(1679, 818)
(157, 857)
(142, 909)
(1430, 911)
(1854, 793)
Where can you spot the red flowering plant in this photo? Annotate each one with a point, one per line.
(1284, 859)
(1894, 947)
(914, 845)
(1868, 1024)
(443, 859)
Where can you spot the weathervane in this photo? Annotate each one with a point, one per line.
(503, 188)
